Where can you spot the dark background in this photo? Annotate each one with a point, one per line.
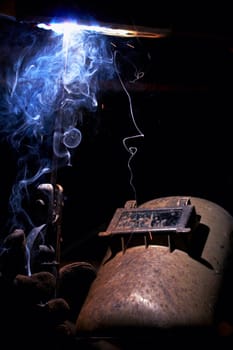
(182, 104)
(192, 16)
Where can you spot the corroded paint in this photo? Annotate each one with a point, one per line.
(152, 287)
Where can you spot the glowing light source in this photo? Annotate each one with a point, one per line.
(113, 30)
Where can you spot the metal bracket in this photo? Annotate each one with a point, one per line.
(152, 221)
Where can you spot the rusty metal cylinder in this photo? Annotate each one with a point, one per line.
(151, 287)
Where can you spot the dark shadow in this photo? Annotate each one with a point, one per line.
(197, 243)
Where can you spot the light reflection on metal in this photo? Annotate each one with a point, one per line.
(137, 299)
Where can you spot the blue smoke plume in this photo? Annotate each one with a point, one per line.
(47, 79)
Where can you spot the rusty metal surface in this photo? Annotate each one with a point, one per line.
(153, 287)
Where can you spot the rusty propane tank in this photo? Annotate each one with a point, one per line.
(168, 268)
